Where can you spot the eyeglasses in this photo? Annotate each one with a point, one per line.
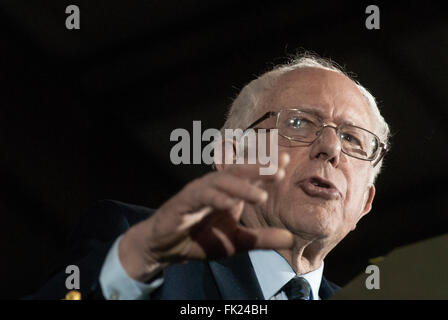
(301, 126)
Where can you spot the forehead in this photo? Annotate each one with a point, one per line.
(331, 95)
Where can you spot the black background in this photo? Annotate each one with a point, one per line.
(87, 114)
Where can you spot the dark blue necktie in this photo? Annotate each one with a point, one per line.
(298, 288)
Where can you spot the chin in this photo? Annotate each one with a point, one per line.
(312, 222)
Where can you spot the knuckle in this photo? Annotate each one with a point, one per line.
(192, 187)
(210, 178)
(221, 179)
(215, 200)
(187, 188)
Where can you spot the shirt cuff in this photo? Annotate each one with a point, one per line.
(117, 285)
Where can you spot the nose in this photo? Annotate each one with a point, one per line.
(327, 146)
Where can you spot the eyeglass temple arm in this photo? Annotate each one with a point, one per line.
(264, 117)
(383, 152)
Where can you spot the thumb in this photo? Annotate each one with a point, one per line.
(264, 238)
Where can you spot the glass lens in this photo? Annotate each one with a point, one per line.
(298, 125)
(305, 127)
(358, 142)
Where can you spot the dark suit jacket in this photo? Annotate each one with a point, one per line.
(231, 278)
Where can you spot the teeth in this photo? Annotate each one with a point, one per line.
(317, 184)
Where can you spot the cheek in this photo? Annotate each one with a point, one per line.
(355, 195)
(288, 205)
(284, 191)
(282, 200)
(299, 158)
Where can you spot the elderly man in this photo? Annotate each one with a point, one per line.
(236, 234)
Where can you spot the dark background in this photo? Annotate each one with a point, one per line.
(91, 119)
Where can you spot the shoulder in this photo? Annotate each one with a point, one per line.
(106, 218)
(88, 245)
(116, 209)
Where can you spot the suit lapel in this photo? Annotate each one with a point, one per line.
(236, 279)
(327, 289)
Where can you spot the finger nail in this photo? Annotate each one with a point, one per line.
(263, 196)
(286, 159)
(280, 173)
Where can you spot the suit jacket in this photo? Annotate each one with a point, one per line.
(230, 278)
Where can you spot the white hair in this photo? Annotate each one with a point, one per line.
(249, 101)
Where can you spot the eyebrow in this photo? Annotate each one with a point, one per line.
(311, 110)
(320, 115)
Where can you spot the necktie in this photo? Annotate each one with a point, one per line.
(298, 288)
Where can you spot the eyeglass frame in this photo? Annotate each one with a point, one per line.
(382, 146)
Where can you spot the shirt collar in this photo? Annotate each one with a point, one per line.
(273, 272)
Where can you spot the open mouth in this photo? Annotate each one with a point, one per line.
(319, 183)
(319, 187)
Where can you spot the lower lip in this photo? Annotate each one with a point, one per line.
(319, 192)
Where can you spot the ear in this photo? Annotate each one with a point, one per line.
(368, 199)
(224, 154)
(369, 194)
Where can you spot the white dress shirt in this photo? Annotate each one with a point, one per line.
(271, 270)
(117, 285)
